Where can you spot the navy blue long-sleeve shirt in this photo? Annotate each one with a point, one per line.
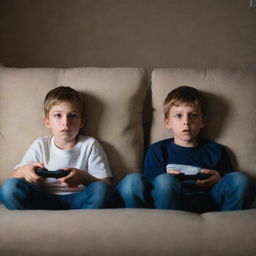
(207, 155)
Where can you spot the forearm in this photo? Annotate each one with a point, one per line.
(27, 172)
(16, 174)
(88, 179)
(77, 177)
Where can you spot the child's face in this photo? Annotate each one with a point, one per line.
(185, 121)
(65, 121)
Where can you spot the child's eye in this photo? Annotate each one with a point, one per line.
(57, 115)
(193, 115)
(178, 115)
(73, 116)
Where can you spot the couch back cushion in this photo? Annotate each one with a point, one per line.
(114, 99)
(231, 103)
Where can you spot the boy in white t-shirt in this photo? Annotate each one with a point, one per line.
(88, 179)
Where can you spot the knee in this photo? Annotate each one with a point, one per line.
(130, 183)
(132, 178)
(165, 182)
(97, 195)
(100, 187)
(11, 186)
(239, 179)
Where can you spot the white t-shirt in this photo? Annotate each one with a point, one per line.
(87, 155)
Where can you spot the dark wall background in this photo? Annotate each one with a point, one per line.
(142, 33)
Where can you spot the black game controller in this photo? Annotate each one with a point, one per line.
(43, 172)
(198, 176)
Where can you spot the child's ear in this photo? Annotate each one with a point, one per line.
(204, 121)
(167, 123)
(82, 123)
(46, 122)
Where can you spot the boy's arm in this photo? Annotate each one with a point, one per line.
(223, 167)
(210, 182)
(27, 172)
(77, 177)
(153, 165)
(26, 169)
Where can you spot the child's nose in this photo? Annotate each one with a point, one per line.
(186, 120)
(65, 120)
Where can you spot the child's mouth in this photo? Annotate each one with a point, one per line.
(65, 131)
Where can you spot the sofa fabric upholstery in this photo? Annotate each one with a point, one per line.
(127, 232)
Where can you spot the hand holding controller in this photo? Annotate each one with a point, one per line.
(43, 172)
(188, 172)
(198, 176)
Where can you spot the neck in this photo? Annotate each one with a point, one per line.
(65, 145)
(186, 144)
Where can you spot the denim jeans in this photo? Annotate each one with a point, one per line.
(18, 194)
(134, 191)
(235, 191)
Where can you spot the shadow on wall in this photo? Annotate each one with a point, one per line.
(93, 114)
(218, 110)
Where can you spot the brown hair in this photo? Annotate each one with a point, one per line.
(183, 94)
(60, 94)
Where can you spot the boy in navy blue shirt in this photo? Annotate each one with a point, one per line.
(185, 153)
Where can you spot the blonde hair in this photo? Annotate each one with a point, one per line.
(60, 94)
(183, 94)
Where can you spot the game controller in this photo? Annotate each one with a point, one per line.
(186, 169)
(43, 172)
(198, 176)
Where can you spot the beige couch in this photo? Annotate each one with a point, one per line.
(115, 110)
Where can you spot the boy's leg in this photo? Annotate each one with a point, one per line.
(235, 191)
(166, 192)
(134, 190)
(97, 195)
(18, 194)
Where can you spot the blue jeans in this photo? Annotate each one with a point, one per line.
(235, 191)
(134, 191)
(18, 194)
